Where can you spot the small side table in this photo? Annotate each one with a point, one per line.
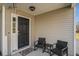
(47, 48)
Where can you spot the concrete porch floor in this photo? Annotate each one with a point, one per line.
(37, 52)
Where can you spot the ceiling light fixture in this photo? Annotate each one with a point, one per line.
(32, 8)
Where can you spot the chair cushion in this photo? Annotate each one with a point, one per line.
(61, 44)
(39, 46)
(57, 51)
(41, 41)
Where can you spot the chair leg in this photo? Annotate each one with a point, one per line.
(34, 48)
(51, 53)
(43, 50)
(67, 52)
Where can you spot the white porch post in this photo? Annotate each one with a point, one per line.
(4, 38)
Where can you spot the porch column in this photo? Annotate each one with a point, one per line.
(4, 38)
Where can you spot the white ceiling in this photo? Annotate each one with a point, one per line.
(40, 7)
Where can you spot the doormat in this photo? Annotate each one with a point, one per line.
(26, 51)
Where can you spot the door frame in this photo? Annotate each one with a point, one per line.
(16, 16)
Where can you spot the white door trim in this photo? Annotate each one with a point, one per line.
(13, 48)
(16, 15)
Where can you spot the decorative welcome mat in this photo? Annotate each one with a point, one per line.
(26, 51)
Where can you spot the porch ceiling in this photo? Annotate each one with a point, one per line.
(40, 7)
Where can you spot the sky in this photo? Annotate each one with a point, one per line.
(76, 13)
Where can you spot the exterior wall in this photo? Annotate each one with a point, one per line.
(57, 25)
(8, 25)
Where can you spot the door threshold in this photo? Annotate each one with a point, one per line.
(19, 50)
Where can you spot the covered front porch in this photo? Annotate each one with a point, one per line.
(21, 27)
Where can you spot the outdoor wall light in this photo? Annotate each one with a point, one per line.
(32, 8)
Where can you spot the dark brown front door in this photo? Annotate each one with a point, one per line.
(23, 32)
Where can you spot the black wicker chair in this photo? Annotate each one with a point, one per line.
(40, 43)
(60, 49)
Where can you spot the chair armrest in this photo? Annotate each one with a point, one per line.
(54, 45)
(64, 48)
(35, 42)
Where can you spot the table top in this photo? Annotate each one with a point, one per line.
(48, 44)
